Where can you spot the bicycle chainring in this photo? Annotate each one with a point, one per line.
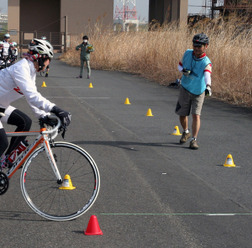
(4, 183)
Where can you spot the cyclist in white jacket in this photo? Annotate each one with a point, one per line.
(19, 80)
(6, 45)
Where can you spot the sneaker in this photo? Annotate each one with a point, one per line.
(79, 77)
(185, 137)
(193, 144)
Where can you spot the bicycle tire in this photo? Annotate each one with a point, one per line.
(42, 192)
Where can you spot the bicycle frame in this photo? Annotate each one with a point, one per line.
(42, 138)
(47, 193)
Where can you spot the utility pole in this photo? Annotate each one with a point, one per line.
(212, 9)
(65, 35)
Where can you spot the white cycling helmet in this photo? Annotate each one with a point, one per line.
(14, 43)
(41, 47)
(7, 36)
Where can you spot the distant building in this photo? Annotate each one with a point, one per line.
(160, 11)
(165, 11)
(230, 6)
(29, 18)
(53, 18)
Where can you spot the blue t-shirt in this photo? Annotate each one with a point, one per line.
(195, 82)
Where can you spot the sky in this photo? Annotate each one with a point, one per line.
(3, 6)
(141, 7)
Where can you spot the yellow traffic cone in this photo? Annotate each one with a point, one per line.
(176, 131)
(229, 161)
(43, 84)
(149, 113)
(67, 183)
(127, 101)
(91, 85)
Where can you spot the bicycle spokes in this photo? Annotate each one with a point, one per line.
(60, 199)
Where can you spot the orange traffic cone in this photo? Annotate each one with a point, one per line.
(93, 227)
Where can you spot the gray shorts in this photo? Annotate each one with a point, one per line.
(188, 101)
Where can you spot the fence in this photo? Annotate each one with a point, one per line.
(57, 39)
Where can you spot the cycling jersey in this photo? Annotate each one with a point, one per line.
(195, 82)
(6, 46)
(20, 80)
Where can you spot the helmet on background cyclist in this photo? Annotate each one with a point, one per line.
(14, 44)
(43, 38)
(85, 37)
(42, 50)
(7, 36)
(200, 39)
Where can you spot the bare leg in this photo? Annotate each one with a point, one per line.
(195, 125)
(184, 122)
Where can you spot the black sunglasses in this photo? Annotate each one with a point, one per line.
(198, 44)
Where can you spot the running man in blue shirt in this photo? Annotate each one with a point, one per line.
(195, 84)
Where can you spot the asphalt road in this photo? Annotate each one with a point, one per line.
(154, 191)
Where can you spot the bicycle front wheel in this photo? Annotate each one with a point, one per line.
(60, 201)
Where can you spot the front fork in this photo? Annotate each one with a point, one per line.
(51, 158)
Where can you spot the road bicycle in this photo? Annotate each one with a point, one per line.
(59, 180)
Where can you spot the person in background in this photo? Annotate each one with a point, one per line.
(2, 63)
(6, 52)
(13, 52)
(1, 48)
(86, 49)
(195, 84)
(6, 46)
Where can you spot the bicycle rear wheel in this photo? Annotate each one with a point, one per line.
(55, 200)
